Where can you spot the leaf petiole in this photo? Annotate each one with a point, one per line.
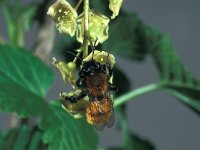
(137, 92)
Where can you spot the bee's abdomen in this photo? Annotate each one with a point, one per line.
(99, 112)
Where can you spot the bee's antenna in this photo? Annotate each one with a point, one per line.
(95, 42)
(75, 56)
(93, 47)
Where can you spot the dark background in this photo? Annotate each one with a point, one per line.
(158, 117)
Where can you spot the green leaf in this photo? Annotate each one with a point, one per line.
(63, 132)
(134, 40)
(36, 142)
(70, 133)
(24, 80)
(23, 138)
(9, 139)
(56, 122)
(128, 34)
(136, 143)
(21, 68)
(64, 44)
(121, 81)
(174, 75)
(101, 6)
(14, 98)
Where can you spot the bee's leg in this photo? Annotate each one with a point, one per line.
(113, 88)
(81, 83)
(82, 95)
(73, 99)
(110, 70)
(106, 67)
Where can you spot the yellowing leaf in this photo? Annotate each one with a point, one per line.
(67, 71)
(115, 6)
(98, 27)
(101, 57)
(76, 110)
(64, 15)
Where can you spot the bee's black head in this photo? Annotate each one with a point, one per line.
(90, 68)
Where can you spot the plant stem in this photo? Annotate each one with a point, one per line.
(86, 19)
(19, 36)
(137, 92)
(78, 4)
(124, 125)
(8, 21)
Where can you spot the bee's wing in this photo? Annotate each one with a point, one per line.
(99, 127)
(111, 121)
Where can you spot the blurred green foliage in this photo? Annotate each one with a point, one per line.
(128, 34)
(18, 20)
(175, 77)
(23, 138)
(25, 79)
(22, 92)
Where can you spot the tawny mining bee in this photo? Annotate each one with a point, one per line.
(95, 81)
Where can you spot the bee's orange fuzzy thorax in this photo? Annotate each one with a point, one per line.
(97, 85)
(99, 112)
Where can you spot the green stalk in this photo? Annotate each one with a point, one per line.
(124, 126)
(122, 114)
(86, 20)
(78, 4)
(13, 24)
(19, 35)
(137, 92)
(8, 21)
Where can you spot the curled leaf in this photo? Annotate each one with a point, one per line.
(76, 110)
(64, 15)
(101, 57)
(97, 27)
(115, 6)
(67, 71)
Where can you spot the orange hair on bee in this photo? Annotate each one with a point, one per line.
(99, 112)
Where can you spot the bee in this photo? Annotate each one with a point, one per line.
(94, 82)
